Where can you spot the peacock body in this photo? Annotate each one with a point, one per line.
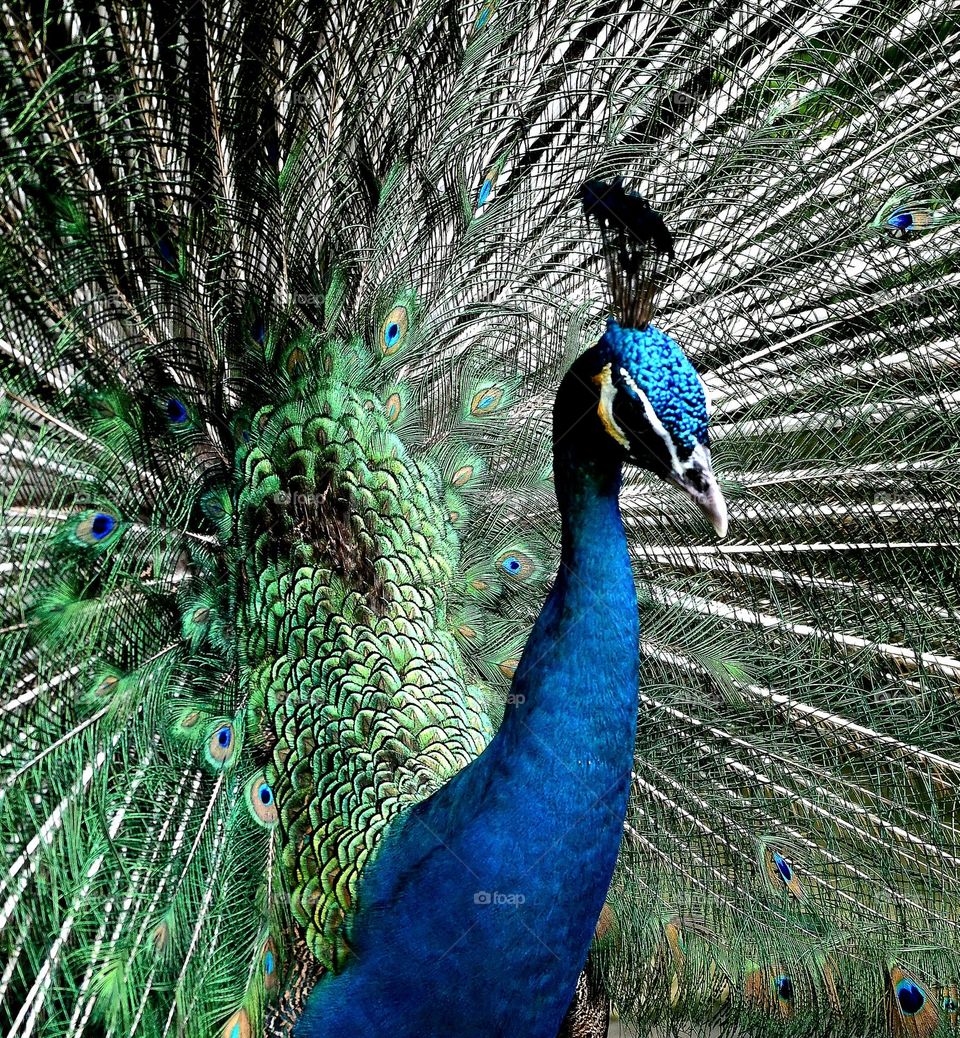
(287, 294)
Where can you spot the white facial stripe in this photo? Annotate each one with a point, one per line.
(655, 423)
(699, 455)
(706, 393)
(605, 408)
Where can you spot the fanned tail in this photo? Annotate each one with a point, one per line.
(286, 294)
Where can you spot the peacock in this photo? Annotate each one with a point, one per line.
(423, 930)
(325, 332)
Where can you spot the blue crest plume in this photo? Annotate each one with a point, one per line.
(635, 243)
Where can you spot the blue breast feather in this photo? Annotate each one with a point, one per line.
(476, 915)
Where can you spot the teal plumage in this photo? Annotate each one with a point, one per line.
(288, 291)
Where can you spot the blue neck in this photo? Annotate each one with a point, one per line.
(590, 622)
(534, 821)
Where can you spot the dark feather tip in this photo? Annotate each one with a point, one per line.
(636, 243)
(616, 209)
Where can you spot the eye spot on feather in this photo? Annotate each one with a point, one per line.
(176, 411)
(913, 1013)
(901, 221)
(106, 687)
(160, 936)
(393, 330)
(238, 1026)
(221, 745)
(909, 212)
(190, 720)
(488, 185)
(781, 872)
(95, 528)
(393, 407)
(675, 941)
(911, 998)
(484, 14)
(462, 476)
(101, 526)
(296, 362)
(508, 668)
(605, 923)
(770, 990)
(783, 988)
(262, 802)
(486, 400)
(166, 251)
(269, 965)
(516, 565)
(950, 1004)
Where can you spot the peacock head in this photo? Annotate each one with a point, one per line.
(635, 391)
(636, 394)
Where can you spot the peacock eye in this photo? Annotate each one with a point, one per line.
(485, 400)
(92, 528)
(221, 745)
(463, 475)
(168, 255)
(176, 411)
(910, 997)
(784, 988)
(102, 525)
(516, 564)
(393, 330)
(262, 802)
(393, 407)
(484, 193)
(783, 867)
(902, 220)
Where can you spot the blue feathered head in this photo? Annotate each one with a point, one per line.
(646, 394)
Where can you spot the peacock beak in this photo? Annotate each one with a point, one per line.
(696, 478)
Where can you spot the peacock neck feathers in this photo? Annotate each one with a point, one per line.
(576, 683)
(510, 861)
